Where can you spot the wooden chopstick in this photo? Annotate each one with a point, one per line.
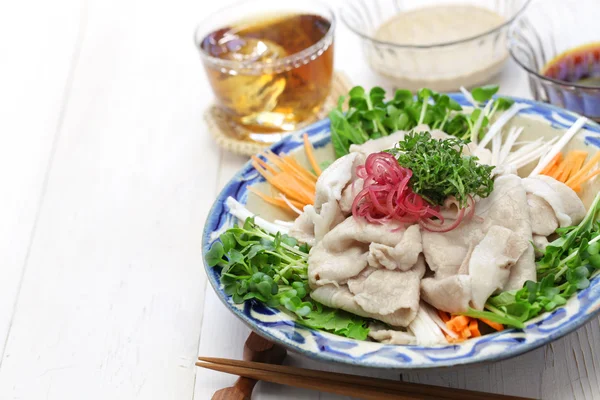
(344, 384)
(323, 385)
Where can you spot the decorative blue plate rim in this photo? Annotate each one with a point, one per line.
(279, 327)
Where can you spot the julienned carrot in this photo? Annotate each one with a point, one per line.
(580, 157)
(288, 164)
(308, 148)
(296, 178)
(284, 183)
(576, 186)
(585, 169)
(444, 316)
(263, 164)
(566, 167)
(458, 323)
(299, 191)
(474, 328)
(556, 173)
(465, 327)
(552, 164)
(295, 183)
(299, 169)
(574, 161)
(590, 176)
(571, 170)
(495, 325)
(275, 201)
(582, 176)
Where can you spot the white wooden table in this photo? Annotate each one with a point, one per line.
(106, 176)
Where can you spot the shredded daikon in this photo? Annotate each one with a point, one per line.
(438, 321)
(530, 153)
(425, 329)
(240, 212)
(511, 138)
(479, 122)
(524, 150)
(290, 205)
(522, 142)
(529, 158)
(497, 126)
(559, 146)
(287, 224)
(468, 96)
(496, 146)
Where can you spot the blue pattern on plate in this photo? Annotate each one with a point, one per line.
(279, 326)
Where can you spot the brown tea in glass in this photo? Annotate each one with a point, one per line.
(271, 73)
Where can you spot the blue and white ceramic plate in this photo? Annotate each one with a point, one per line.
(539, 120)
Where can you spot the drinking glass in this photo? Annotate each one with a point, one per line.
(268, 89)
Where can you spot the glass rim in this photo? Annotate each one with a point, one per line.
(506, 23)
(513, 45)
(324, 42)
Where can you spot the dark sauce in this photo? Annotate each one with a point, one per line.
(580, 66)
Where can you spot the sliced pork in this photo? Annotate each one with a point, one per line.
(543, 218)
(402, 256)
(369, 269)
(386, 271)
(505, 213)
(380, 333)
(491, 262)
(344, 251)
(388, 296)
(350, 193)
(377, 145)
(451, 294)
(335, 178)
(567, 206)
(540, 243)
(317, 220)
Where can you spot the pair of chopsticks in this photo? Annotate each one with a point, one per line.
(342, 384)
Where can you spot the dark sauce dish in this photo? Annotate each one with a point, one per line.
(558, 44)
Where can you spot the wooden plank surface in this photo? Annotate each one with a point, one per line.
(38, 52)
(108, 174)
(111, 300)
